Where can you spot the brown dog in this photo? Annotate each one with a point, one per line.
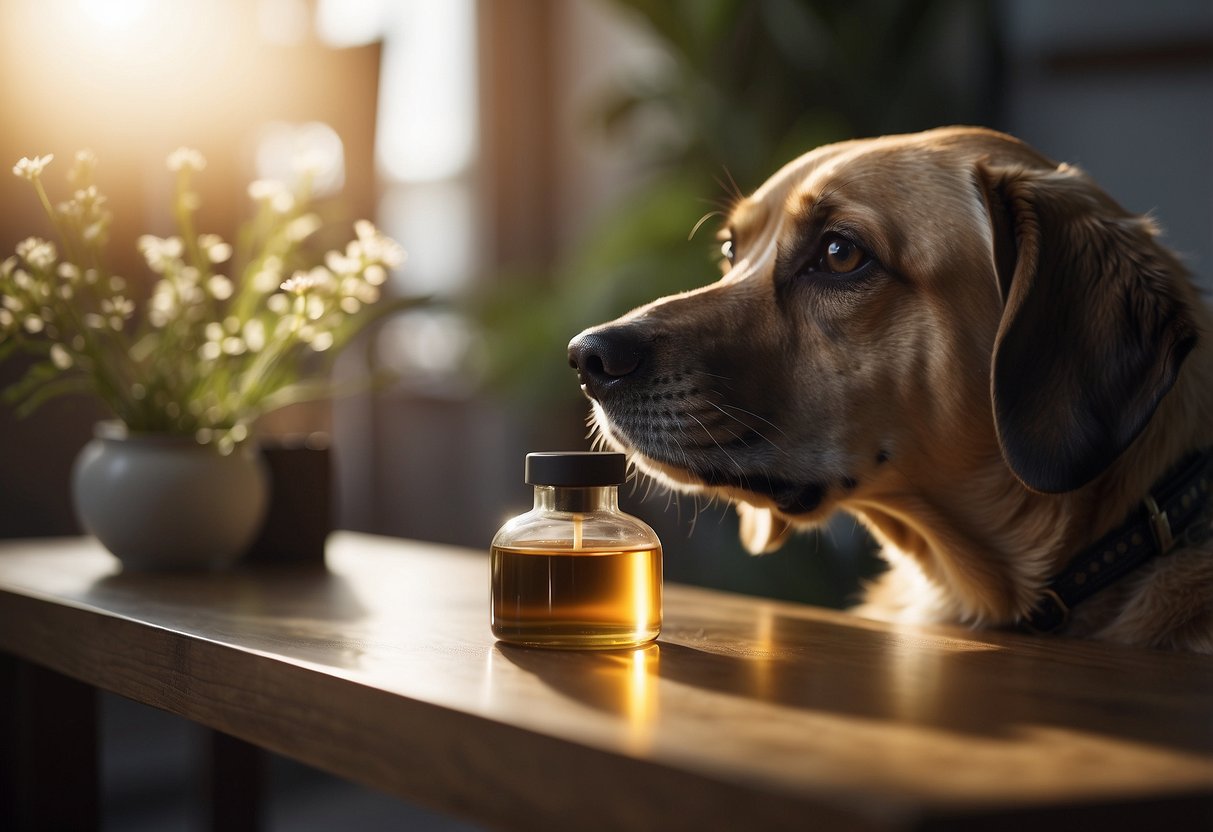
(969, 347)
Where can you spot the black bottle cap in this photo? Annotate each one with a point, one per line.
(576, 468)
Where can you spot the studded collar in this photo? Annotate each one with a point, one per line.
(1174, 511)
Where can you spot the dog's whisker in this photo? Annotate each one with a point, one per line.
(750, 413)
(701, 221)
(740, 471)
(749, 427)
(729, 185)
(736, 437)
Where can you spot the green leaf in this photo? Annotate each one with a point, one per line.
(9, 346)
(36, 376)
(316, 389)
(66, 385)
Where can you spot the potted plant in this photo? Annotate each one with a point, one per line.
(226, 334)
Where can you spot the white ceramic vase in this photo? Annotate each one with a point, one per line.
(163, 502)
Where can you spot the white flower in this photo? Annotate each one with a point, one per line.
(193, 294)
(163, 305)
(160, 254)
(322, 341)
(367, 293)
(341, 264)
(31, 169)
(277, 303)
(376, 247)
(210, 351)
(216, 250)
(350, 305)
(220, 287)
(301, 282)
(118, 309)
(186, 158)
(37, 252)
(118, 306)
(94, 230)
(89, 196)
(269, 276)
(60, 356)
(375, 274)
(82, 170)
(214, 331)
(34, 324)
(69, 272)
(6, 268)
(233, 345)
(273, 193)
(254, 335)
(266, 281)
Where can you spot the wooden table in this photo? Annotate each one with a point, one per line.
(748, 713)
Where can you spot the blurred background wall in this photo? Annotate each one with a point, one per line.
(543, 162)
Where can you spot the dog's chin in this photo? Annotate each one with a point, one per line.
(801, 504)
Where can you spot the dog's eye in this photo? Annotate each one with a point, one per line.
(840, 256)
(726, 248)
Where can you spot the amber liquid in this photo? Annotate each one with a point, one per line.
(593, 597)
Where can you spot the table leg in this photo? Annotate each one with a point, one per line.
(48, 749)
(235, 773)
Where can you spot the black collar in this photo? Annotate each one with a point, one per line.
(1170, 512)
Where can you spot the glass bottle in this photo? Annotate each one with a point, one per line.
(575, 571)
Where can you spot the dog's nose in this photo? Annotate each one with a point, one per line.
(604, 356)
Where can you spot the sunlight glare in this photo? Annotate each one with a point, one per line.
(285, 151)
(115, 15)
(427, 97)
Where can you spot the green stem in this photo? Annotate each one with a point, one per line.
(64, 238)
(185, 223)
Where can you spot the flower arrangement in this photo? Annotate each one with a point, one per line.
(227, 333)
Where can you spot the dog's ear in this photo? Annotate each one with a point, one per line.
(761, 530)
(1093, 331)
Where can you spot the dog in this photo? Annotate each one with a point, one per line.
(971, 348)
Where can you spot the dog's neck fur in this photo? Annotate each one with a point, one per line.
(986, 563)
(1000, 546)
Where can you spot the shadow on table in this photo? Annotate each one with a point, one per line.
(996, 688)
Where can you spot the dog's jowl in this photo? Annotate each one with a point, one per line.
(971, 348)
